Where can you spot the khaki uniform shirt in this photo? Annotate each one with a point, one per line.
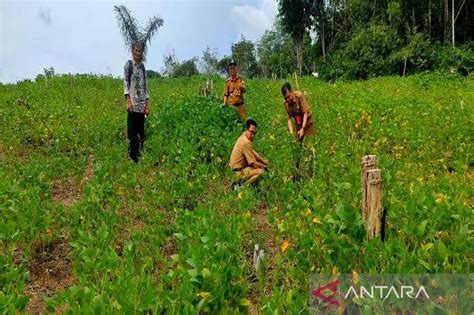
(233, 93)
(297, 108)
(242, 154)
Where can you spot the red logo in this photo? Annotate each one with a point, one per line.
(331, 286)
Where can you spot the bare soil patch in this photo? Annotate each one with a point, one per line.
(50, 270)
(68, 191)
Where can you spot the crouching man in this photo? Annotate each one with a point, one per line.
(247, 164)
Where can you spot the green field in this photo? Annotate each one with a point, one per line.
(83, 229)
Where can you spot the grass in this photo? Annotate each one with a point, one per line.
(83, 229)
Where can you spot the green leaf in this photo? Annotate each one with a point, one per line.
(179, 236)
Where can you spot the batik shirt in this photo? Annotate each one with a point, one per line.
(136, 87)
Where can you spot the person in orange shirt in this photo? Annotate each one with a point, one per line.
(234, 89)
(247, 164)
(297, 108)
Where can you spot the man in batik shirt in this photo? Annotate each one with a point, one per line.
(137, 99)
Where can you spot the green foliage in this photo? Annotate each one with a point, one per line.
(209, 62)
(417, 54)
(458, 59)
(367, 53)
(174, 68)
(275, 53)
(150, 74)
(187, 68)
(347, 37)
(243, 52)
(168, 235)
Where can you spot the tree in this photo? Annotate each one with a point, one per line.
(150, 74)
(170, 64)
(187, 68)
(243, 52)
(209, 62)
(274, 52)
(223, 65)
(133, 32)
(174, 68)
(296, 18)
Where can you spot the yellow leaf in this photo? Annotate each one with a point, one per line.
(307, 212)
(239, 196)
(355, 277)
(272, 137)
(316, 220)
(244, 302)
(440, 198)
(334, 270)
(284, 245)
(204, 295)
(116, 304)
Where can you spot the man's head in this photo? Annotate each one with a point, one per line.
(286, 91)
(250, 129)
(233, 68)
(137, 50)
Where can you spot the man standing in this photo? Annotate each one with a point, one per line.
(247, 164)
(234, 89)
(297, 107)
(137, 99)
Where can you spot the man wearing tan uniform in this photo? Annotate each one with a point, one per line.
(234, 89)
(247, 164)
(297, 107)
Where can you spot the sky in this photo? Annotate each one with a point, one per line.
(83, 36)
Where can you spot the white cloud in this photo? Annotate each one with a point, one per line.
(252, 21)
(74, 36)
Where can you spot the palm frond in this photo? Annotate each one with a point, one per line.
(153, 24)
(132, 32)
(128, 26)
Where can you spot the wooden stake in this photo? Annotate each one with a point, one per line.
(375, 211)
(369, 162)
(296, 79)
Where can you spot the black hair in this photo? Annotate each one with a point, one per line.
(137, 44)
(285, 87)
(249, 123)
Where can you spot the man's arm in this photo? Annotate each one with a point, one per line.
(305, 109)
(252, 158)
(242, 87)
(226, 92)
(301, 132)
(147, 96)
(261, 160)
(147, 107)
(290, 126)
(126, 86)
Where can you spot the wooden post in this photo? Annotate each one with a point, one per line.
(375, 210)
(369, 162)
(372, 210)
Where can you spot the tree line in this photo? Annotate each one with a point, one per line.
(350, 39)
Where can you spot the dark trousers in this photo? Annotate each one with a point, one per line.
(136, 134)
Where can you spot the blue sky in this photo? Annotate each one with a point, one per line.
(83, 36)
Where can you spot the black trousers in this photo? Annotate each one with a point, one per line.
(136, 134)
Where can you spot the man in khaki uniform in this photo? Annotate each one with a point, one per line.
(247, 164)
(234, 89)
(297, 107)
